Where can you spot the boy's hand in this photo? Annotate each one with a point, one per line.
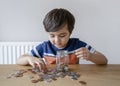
(83, 53)
(37, 62)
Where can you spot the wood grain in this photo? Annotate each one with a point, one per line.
(93, 75)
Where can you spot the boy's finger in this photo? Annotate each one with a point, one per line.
(32, 64)
(39, 65)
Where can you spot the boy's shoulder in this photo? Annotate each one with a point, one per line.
(75, 40)
(44, 43)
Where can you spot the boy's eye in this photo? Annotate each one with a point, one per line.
(52, 36)
(62, 35)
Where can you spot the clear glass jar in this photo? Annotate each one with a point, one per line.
(62, 60)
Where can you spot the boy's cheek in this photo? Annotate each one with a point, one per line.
(52, 42)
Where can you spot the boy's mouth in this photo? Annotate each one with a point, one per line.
(59, 45)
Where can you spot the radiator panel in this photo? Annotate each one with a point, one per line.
(10, 51)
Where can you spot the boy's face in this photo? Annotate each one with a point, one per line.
(60, 38)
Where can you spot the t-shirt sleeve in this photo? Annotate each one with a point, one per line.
(84, 44)
(37, 51)
(91, 49)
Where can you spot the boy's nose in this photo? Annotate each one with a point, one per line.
(57, 39)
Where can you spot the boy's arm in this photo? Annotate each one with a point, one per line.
(30, 60)
(23, 60)
(98, 58)
(33, 61)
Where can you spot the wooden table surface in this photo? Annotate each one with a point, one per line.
(93, 75)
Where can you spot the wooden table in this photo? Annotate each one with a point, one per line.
(93, 75)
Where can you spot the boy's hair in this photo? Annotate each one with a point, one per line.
(58, 18)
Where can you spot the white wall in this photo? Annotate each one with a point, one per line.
(97, 22)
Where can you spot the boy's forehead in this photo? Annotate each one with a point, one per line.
(62, 30)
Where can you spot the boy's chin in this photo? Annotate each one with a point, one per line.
(60, 47)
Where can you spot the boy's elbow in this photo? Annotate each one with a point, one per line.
(106, 61)
(22, 60)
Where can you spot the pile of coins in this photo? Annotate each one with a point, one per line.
(62, 67)
(49, 76)
(52, 74)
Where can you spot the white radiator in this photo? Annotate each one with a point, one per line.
(10, 51)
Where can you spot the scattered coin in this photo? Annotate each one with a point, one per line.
(83, 82)
(17, 73)
(34, 81)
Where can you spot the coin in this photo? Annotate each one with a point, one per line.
(83, 82)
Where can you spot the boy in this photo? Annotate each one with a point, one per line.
(59, 24)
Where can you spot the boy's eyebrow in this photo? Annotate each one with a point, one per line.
(59, 34)
(51, 34)
(62, 33)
